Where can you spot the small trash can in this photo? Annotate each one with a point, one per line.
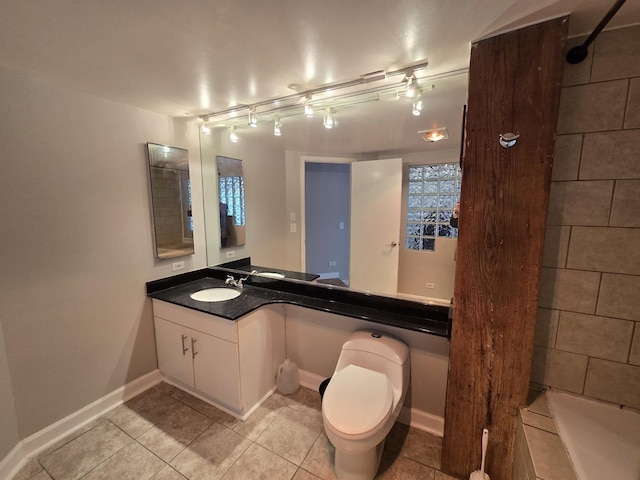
(323, 386)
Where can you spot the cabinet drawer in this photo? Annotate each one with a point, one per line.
(202, 322)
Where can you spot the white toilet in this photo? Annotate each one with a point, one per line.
(363, 400)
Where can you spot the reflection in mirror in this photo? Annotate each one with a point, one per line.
(170, 200)
(231, 202)
(281, 238)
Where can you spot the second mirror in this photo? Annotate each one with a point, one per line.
(231, 202)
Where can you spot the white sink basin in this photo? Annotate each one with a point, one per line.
(215, 294)
(271, 275)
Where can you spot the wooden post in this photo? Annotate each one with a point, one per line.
(514, 87)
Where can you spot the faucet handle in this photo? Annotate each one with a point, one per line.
(230, 280)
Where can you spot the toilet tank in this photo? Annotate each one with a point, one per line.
(378, 343)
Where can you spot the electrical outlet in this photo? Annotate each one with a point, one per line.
(292, 216)
(293, 228)
(341, 225)
(177, 266)
(230, 254)
(430, 285)
(332, 263)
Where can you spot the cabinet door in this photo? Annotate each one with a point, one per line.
(174, 351)
(216, 369)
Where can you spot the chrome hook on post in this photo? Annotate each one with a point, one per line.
(508, 140)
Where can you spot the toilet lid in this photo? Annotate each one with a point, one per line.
(357, 400)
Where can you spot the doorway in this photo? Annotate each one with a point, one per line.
(327, 219)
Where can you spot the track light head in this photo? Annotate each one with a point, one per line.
(329, 120)
(412, 87)
(417, 106)
(308, 108)
(277, 126)
(233, 136)
(253, 118)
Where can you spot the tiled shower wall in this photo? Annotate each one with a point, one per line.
(588, 328)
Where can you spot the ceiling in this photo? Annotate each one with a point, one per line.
(195, 57)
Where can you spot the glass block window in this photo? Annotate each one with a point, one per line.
(232, 194)
(433, 192)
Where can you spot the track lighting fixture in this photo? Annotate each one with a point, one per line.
(233, 136)
(375, 86)
(329, 121)
(277, 125)
(253, 118)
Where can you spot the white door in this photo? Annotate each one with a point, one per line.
(376, 200)
(174, 351)
(216, 369)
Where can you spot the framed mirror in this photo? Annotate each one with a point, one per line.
(170, 201)
(231, 202)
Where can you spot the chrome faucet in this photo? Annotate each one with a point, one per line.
(240, 282)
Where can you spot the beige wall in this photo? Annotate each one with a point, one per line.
(77, 246)
(588, 330)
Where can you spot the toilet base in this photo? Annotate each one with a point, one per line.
(358, 466)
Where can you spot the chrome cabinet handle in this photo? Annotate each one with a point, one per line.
(193, 347)
(184, 349)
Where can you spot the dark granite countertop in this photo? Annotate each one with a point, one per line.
(308, 277)
(431, 319)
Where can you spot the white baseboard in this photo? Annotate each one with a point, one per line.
(13, 462)
(422, 420)
(310, 380)
(409, 416)
(32, 445)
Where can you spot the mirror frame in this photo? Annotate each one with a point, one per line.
(166, 157)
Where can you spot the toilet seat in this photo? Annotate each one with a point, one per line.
(357, 400)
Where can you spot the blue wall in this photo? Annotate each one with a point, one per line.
(327, 204)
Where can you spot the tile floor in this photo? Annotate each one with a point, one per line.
(167, 434)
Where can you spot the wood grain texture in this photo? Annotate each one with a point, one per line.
(514, 86)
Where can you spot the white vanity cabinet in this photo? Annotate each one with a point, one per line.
(231, 363)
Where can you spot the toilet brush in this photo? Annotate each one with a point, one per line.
(479, 474)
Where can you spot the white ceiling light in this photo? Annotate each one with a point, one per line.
(434, 134)
(253, 118)
(417, 105)
(277, 126)
(412, 86)
(308, 108)
(329, 120)
(233, 136)
(204, 129)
